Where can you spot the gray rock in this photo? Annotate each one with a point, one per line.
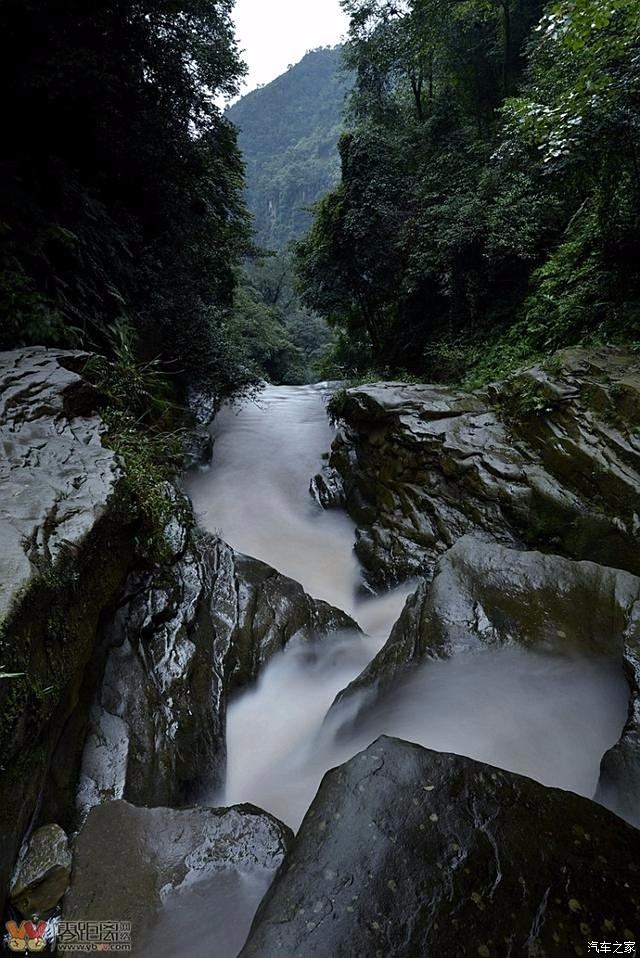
(198, 448)
(63, 558)
(42, 873)
(550, 458)
(140, 865)
(485, 594)
(184, 637)
(408, 852)
(56, 478)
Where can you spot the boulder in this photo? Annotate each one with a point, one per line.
(42, 873)
(485, 594)
(63, 557)
(408, 852)
(141, 865)
(549, 458)
(184, 637)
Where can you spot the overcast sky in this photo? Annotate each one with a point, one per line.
(275, 33)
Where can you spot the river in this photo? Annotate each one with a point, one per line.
(547, 716)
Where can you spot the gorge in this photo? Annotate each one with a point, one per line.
(212, 681)
(320, 478)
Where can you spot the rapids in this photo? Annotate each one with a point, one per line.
(547, 716)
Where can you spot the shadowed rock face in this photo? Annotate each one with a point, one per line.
(550, 458)
(136, 864)
(63, 558)
(484, 594)
(408, 852)
(184, 637)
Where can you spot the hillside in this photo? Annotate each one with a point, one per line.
(288, 132)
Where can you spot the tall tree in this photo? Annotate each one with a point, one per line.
(120, 181)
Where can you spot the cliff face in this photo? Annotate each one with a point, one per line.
(459, 489)
(549, 458)
(63, 557)
(119, 668)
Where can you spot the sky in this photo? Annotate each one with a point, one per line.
(273, 34)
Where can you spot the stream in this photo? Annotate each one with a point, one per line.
(548, 716)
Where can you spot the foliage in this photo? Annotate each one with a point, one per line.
(120, 180)
(488, 210)
(145, 427)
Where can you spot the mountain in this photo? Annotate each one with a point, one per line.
(288, 132)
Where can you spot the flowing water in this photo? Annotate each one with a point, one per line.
(547, 716)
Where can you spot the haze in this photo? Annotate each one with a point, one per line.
(273, 34)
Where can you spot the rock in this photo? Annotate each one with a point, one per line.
(486, 594)
(408, 852)
(63, 558)
(257, 612)
(550, 458)
(326, 488)
(185, 636)
(198, 448)
(136, 864)
(42, 873)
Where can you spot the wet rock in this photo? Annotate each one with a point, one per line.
(136, 864)
(184, 637)
(485, 594)
(63, 558)
(257, 612)
(42, 873)
(549, 458)
(198, 448)
(407, 852)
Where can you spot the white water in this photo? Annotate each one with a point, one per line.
(550, 717)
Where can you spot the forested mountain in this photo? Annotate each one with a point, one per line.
(489, 206)
(288, 133)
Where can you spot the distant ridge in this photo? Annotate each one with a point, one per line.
(288, 132)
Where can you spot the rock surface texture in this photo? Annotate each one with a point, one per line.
(549, 458)
(483, 594)
(42, 873)
(408, 852)
(63, 558)
(183, 638)
(133, 863)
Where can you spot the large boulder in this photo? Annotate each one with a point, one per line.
(184, 637)
(408, 852)
(145, 866)
(483, 594)
(63, 558)
(549, 458)
(42, 872)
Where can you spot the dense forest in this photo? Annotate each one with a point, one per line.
(489, 205)
(121, 183)
(487, 210)
(288, 131)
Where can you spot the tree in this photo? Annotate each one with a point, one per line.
(120, 180)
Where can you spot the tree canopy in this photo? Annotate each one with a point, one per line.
(489, 200)
(120, 179)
